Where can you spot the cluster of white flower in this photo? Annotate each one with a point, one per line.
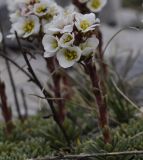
(66, 34)
(70, 36)
(29, 16)
(94, 5)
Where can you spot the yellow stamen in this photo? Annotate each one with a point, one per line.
(48, 17)
(28, 27)
(95, 4)
(54, 44)
(84, 24)
(70, 55)
(68, 39)
(41, 9)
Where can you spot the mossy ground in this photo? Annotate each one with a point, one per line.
(38, 137)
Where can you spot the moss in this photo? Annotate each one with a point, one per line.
(38, 137)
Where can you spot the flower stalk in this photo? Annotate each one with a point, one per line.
(98, 90)
(46, 94)
(6, 111)
(57, 78)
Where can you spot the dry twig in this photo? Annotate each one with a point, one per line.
(83, 156)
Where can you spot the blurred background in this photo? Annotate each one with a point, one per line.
(124, 54)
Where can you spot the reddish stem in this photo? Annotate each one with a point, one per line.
(100, 99)
(57, 77)
(6, 111)
(61, 105)
(100, 55)
(81, 6)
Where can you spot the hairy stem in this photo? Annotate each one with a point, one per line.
(6, 111)
(100, 99)
(57, 77)
(100, 54)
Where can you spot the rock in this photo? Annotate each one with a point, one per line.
(110, 12)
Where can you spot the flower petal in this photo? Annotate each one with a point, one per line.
(73, 56)
(49, 54)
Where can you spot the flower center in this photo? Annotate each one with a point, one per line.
(83, 46)
(95, 4)
(70, 55)
(54, 44)
(48, 17)
(84, 24)
(28, 27)
(41, 9)
(68, 38)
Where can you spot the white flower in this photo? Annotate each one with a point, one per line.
(1, 37)
(69, 10)
(82, 1)
(25, 10)
(61, 24)
(40, 9)
(26, 26)
(51, 45)
(14, 16)
(89, 46)
(86, 22)
(96, 5)
(46, 7)
(66, 39)
(67, 57)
